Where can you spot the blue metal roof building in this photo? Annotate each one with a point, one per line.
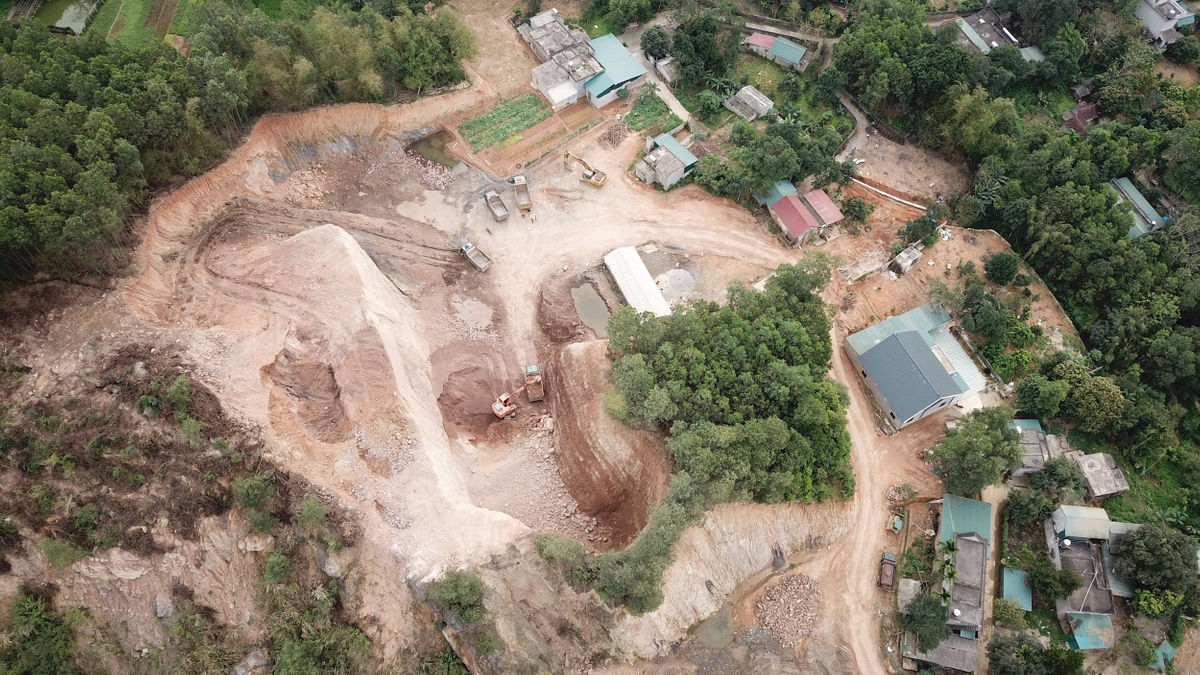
(1091, 631)
(913, 364)
(620, 68)
(779, 190)
(1017, 589)
(676, 148)
(964, 516)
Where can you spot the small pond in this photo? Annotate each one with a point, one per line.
(67, 14)
(433, 148)
(591, 309)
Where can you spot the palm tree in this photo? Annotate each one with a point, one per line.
(944, 596)
(950, 574)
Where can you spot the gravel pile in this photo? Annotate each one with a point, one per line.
(789, 609)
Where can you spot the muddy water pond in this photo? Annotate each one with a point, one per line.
(591, 309)
(67, 14)
(433, 148)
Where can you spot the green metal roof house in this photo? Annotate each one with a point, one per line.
(787, 53)
(621, 68)
(1165, 652)
(1090, 631)
(965, 516)
(1145, 218)
(779, 190)
(913, 365)
(1081, 522)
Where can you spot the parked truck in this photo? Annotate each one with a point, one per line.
(478, 258)
(887, 571)
(533, 383)
(496, 204)
(521, 189)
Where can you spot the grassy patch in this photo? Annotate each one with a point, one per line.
(130, 18)
(5, 5)
(763, 74)
(1154, 497)
(688, 99)
(1044, 622)
(181, 23)
(595, 26)
(651, 114)
(504, 121)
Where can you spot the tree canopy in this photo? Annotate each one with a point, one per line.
(977, 452)
(1157, 557)
(925, 617)
(742, 388)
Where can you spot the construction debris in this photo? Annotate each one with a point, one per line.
(789, 609)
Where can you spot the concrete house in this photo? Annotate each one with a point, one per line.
(567, 59)
(1037, 447)
(1101, 475)
(968, 523)
(913, 365)
(621, 70)
(1163, 19)
(573, 66)
(1145, 218)
(749, 103)
(666, 162)
(1081, 540)
(778, 49)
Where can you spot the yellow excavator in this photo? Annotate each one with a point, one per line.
(591, 176)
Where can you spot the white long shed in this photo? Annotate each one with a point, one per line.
(635, 282)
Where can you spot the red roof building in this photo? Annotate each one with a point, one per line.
(797, 221)
(823, 207)
(760, 40)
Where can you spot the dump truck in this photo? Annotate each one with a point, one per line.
(533, 383)
(496, 204)
(478, 258)
(887, 571)
(521, 189)
(591, 176)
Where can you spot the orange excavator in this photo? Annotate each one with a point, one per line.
(505, 405)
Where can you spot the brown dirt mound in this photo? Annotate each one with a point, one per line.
(312, 391)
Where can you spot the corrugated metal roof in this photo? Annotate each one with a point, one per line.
(760, 40)
(966, 373)
(635, 281)
(620, 66)
(1016, 588)
(955, 652)
(1032, 54)
(824, 207)
(907, 374)
(794, 217)
(1118, 586)
(676, 148)
(925, 319)
(1091, 631)
(1081, 522)
(779, 190)
(966, 29)
(1164, 653)
(1145, 218)
(962, 516)
(787, 50)
(1027, 425)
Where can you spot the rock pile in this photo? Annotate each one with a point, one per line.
(432, 176)
(789, 609)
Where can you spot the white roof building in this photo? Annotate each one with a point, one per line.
(635, 282)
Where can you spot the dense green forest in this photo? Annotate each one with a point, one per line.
(1135, 301)
(89, 126)
(741, 388)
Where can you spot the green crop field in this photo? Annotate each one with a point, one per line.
(125, 21)
(650, 113)
(504, 121)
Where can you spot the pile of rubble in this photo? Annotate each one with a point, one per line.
(789, 609)
(899, 494)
